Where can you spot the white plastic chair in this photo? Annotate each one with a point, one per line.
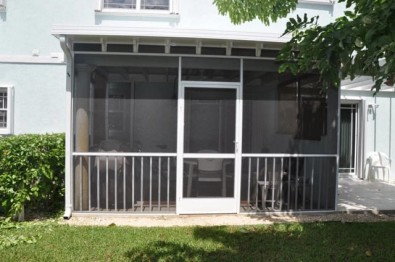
(378, 161)
(270, 187)
(211, 170)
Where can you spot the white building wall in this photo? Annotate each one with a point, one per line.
(39, 96)
(26, 25)
(39, 81)
(203, 14)
(379, 123)
(25, 28)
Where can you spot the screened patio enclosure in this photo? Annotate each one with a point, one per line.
(187, 133)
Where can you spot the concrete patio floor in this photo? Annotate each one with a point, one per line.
(354, 197)
(356, 194)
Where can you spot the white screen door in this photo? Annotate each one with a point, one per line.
(208, 146)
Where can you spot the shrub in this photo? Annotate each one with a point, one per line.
(31, 172)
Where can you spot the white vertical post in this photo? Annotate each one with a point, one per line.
(338, 145)
(69, 126)
(180, 140)
(239, 140)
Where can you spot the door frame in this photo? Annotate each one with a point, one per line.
(208, 205)
(359, 133)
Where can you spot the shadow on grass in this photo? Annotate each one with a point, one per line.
(315, 241)
(170, 251)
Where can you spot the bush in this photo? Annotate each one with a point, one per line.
(31, 172)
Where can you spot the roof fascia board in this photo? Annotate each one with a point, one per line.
(117, 31)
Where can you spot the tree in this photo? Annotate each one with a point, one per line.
(361, 42)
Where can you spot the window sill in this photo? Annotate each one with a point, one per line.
(5, 131)
(317, 2)
(138, 13)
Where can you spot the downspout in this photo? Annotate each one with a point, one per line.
(69, 81)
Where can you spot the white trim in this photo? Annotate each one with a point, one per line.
(337, 149)
(176, 55)
(204, 84)
(135, 13)
(173, 9)
(187, 205)
(239, 138)
(126, 154)
(214, 156)
(69, 129)
(317, 2)
(363, 83)
(289, 155)
(10, 111)
(32, 59)
(180, 139)
(360, 132)
(190, 33)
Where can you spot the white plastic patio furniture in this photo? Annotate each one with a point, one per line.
(270, 188)
(212, 171)
(378, 161)
(191, 166)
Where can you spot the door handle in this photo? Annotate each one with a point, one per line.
(236, 146)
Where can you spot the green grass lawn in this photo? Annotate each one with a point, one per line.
(331, 241)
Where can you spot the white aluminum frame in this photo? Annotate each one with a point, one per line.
(173, 9)
(197, 204)
(10, 110)
(208, 205)
(359, 155)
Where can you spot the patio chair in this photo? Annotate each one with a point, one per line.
(377, 161)
(108, 166)
(271, 188)
(211, 171)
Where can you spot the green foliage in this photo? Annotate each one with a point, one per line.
(31, 172)
(361, 42)
(13, 234)
(265, 10)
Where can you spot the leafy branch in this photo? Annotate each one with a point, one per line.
(361, 42)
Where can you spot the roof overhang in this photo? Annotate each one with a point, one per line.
(363, 83)
(99, 33)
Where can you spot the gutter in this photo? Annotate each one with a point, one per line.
(69, 78)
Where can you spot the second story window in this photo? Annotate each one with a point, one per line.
(137, 4)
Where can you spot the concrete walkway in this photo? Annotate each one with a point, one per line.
(218, 220)
(355, 194)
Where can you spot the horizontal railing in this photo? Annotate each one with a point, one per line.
(124, 182)
(285, 182)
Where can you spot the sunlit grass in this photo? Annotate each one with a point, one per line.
(331, 241)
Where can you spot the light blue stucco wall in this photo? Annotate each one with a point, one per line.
(379, 125)
(40, 89)
(26, 25)
(203, 14)
(39, 96)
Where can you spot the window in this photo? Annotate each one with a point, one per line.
(317, 2)
(3, 5)
(138, 5)
(6, 110)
